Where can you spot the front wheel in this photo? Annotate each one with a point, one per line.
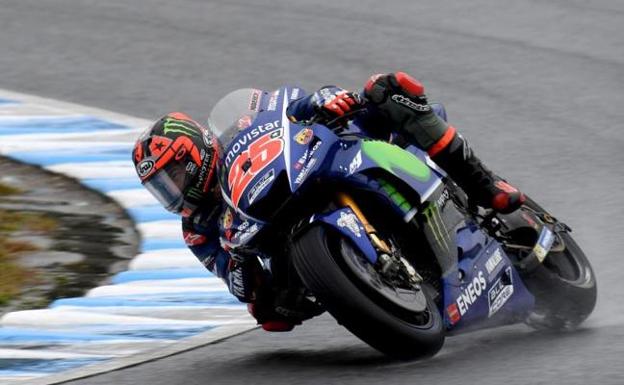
(398, 323)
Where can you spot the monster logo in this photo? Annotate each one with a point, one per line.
(184, 127)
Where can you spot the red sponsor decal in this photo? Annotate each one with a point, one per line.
(252, 161)
(193, 239)
(453, 313)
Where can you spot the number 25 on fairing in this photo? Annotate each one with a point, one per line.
(252, 161)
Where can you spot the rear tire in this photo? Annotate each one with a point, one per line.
(319, 260)
(564, 286)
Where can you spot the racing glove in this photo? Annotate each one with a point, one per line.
(401, 101)
(332, 103)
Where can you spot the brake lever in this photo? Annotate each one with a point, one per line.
(341, 122)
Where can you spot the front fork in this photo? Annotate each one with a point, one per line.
(390, 261)
(380, 245)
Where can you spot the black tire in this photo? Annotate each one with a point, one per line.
(319, 261)
(564, 286)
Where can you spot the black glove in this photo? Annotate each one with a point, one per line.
(331, 103)
(391, 91)
(400, 100)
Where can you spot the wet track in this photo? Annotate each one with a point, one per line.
(537, 86)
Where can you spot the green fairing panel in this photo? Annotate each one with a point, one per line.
(391, 158)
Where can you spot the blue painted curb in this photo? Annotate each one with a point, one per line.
(160, 274)
(61, 125)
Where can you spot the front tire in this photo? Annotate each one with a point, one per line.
(320, 261)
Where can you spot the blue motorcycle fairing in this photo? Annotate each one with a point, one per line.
(295, 151)
(304, 152)
(481, 283)
(485, 289)
(237, 229)
(347, 223)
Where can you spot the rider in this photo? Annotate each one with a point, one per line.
(176, 160)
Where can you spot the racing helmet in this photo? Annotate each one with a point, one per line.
(176, 160)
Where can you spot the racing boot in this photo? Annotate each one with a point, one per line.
(400, 99)
(283, 309)
(453, 154)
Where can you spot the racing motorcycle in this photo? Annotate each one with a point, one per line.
(381, 238)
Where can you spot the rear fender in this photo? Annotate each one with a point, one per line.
(347, 223)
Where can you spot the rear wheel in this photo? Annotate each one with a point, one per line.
(564, 285)
(401, 323)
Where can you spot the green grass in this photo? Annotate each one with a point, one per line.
(13, 276)
(11, 221)
(8, 190)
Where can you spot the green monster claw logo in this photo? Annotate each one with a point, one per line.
(194, 193)
(436, 224)
(183, 127)
(393, 158)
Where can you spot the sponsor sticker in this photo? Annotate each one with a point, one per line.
(253, 100)
(145, 167)
(305, 171)
(228, 219)
(350, 222)
(356, 162)
(307, 155)
(443, 198)
(301, 161)
(494, 260)
(544, 243)
(245, 235)
(272, 106)
(453, 313)
(262, 183)
(245, 140)
(471, 293)
(500, 292)
(304, 136)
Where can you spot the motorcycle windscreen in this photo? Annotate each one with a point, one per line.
(234, 112)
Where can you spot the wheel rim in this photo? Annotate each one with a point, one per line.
(411, 306)
(566, 265)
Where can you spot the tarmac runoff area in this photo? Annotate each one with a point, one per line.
(165, 303)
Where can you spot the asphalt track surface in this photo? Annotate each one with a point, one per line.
(537, 86)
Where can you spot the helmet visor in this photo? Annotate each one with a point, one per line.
(166, 189)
